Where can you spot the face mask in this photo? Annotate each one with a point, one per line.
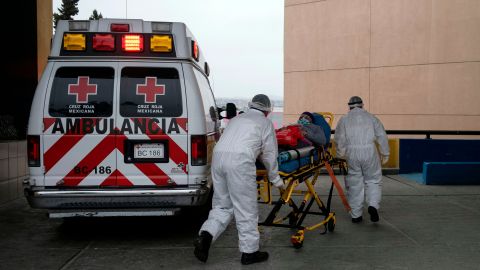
(303, 122)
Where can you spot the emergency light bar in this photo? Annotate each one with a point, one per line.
(84, 44)
(125, 39)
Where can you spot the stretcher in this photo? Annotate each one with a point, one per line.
(305, 175)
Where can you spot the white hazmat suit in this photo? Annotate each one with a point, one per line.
(355, 137)
(234, 176)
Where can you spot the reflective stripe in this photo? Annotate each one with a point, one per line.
(116, 179)
(91, 160)
(176, 153)
(59, 149)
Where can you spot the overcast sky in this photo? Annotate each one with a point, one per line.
(241, 39)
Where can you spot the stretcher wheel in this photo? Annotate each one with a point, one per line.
(298, 245)
(297, 239)
(331, 224)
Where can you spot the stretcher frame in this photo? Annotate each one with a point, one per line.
(308, 176)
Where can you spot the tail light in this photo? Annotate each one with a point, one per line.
(199, 150)
(33, 149)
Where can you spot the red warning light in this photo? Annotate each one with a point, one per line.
(103, 42)
(118, 27)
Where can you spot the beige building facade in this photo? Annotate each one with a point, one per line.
(44, 33)
(415, 63)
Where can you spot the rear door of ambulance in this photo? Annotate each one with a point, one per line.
(78, 125)
(152, 139)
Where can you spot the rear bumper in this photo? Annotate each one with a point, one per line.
(116, 198)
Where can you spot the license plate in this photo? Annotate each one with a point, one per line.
(149, 150)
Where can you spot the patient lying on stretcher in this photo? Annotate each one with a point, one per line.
(314, 134)
(304, 133)
(298, 141)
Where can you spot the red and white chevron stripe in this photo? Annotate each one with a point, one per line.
(64, 154)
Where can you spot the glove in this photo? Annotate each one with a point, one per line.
(278, 182)
(385, 159)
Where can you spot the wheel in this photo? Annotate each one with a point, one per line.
(331, 224)
(298, 245)
(297, 239)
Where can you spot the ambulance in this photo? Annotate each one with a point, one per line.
(123, 121)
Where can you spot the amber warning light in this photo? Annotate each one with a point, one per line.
(161, 43)
(74, 42)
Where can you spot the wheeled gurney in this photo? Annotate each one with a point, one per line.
(302, 171)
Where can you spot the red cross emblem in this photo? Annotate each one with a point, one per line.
(150, 89)
(82, 89)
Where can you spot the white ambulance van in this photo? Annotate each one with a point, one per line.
(123, 121)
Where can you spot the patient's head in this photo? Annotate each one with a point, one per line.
(305, 118)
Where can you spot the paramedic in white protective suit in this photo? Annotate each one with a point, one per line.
(246, 137)
(355, 137)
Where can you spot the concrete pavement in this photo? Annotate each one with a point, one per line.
(421, 227)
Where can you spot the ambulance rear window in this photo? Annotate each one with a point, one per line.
(150, 92)
(82, 91)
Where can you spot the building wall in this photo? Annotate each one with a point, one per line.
(13, 169)
(415, 63)
(44, 33)
(27, 63)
